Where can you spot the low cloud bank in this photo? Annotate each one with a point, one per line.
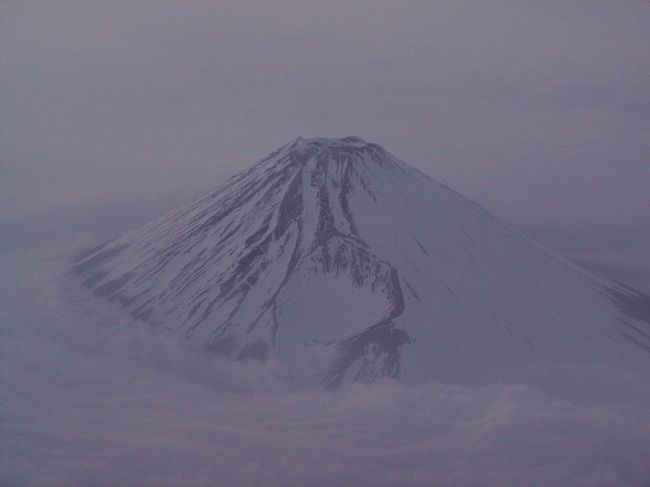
(91, 398)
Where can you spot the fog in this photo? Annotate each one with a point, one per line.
(116, 112)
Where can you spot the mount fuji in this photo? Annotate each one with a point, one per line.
(343, 263)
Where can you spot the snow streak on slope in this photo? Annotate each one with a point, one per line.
(346, 263)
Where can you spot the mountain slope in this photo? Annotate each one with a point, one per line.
(344, 263)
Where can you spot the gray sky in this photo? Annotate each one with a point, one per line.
(539, 110)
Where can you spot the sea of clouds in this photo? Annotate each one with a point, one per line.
(90, 397)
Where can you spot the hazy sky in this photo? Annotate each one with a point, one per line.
(540, 110)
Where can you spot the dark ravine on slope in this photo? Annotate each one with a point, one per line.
(337, 259)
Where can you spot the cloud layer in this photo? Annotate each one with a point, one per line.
(92, 398)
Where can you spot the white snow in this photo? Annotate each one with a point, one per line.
(303, 247)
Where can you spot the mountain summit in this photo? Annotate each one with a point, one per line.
(344, 263)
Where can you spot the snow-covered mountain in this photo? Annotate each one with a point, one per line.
(344, 263)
